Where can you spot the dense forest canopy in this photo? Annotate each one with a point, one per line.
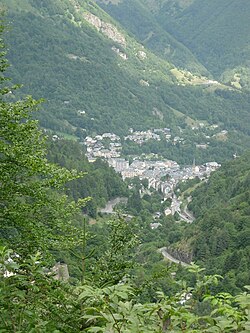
(221, 207)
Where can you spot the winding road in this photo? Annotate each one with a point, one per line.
(109, 208)
(168, 256)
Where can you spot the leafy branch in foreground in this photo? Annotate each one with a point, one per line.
(31, 208)
(32, 301)
(114, 309)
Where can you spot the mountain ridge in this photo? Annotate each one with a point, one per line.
(136, 18)
(217, 32)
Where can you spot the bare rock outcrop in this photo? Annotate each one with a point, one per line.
(120, 53)
(107, 29)
(141, 55)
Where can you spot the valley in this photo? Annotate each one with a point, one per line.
(95, 77)
(161, 174)
(124, 160)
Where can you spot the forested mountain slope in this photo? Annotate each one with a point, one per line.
(222, 227)
(37, 218)
(137, 18)
(95, 77)
(62, 57)
(217, 32)
(100, 182)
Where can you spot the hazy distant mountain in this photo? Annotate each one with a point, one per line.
(193, 33)
(217, 32)
(136, 17)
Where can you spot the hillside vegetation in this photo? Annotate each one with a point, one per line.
(94, 83)
(106, 291)
(66, 60)
(137, 18)
(100, 183)
(216, 32)
(221, 232)
(38, 219)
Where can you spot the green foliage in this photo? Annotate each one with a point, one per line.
(36, 215)
(101, 182)
(116, 262)
(33, 215)
(30, 209)
(137, 19)
(32, 301)
(204, 28)
(101, 88)
(221, 207)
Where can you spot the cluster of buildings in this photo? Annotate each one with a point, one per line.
(97, 148)
(142, 136)
(162, 175)
(107, 145)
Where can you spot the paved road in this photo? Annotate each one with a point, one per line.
(168, 256)
(186, 216)
(109, 208)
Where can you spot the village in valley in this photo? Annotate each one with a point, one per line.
(161, 174)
